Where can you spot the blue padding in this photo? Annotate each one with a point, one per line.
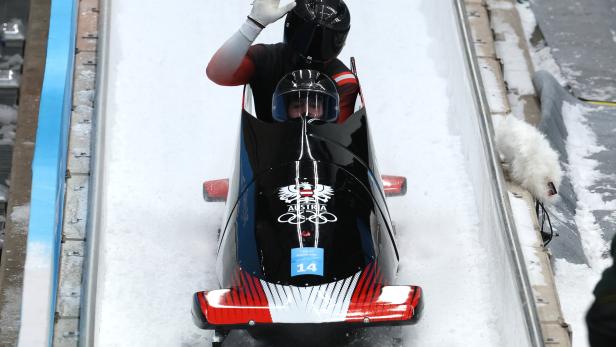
(50, 153)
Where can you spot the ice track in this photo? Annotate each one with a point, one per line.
(167, 128)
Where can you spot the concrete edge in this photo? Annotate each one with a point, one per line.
(555, 330)
(87, 323)
(69, 295)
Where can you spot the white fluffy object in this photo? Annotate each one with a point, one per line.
(533, 164)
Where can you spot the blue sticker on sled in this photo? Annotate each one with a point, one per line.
(306, 261)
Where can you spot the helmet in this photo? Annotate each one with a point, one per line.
(305, 93)
(317, 29)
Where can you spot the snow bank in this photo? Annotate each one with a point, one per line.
(575, 284)
(581, 145)
(528, 238)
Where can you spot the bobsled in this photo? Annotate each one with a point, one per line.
(307, 238)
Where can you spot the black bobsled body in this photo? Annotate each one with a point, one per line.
(307, 238)
(261, 228)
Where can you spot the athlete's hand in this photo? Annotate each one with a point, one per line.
(266, 12)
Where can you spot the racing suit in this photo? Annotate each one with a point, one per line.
(262, 66)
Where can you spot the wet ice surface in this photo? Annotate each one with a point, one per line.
(169, 128)
(375, 336)
(581, 34)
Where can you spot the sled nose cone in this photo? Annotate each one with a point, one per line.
(395, 305)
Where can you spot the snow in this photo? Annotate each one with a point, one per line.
(575, 283)
(541, 54)
(499, 5)
(496, 100)
(528, 238)
(515, 68)
(168, 128)
(37, 275)
(581, 144)
(583, 172)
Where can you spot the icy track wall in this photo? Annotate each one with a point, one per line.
(48, 178)
(517, 317)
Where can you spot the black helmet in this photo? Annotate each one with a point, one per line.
(305, 93)
(317, 29)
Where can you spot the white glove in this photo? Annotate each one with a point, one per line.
(266, 12)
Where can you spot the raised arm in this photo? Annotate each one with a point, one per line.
(230, 65)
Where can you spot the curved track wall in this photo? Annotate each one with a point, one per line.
(48, 178)
(517, 317)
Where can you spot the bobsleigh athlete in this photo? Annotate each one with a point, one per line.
(306, 250)
(305, 93)
(314, 34)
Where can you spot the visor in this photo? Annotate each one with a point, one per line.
(300, 103)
